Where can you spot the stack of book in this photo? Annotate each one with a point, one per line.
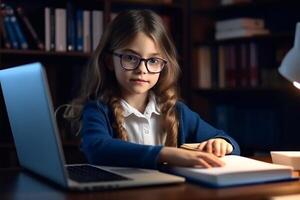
(16, 31)
(240, 27)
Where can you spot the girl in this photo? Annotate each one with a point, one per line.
(128, 106)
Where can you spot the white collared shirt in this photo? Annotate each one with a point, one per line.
(143, 128)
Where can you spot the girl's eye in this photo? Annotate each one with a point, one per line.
(153, 60)
(130, 58)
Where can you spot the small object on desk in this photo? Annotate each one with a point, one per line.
(286, 197)
(290, 158)
(238, 170)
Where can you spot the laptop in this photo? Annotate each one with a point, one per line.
(30, 111)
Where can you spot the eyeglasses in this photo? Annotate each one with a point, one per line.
(131, 62)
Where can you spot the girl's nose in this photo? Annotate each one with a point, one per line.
(142, 67)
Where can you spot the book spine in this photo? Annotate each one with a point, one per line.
(97, 27)
(221, 66)
(253, 67)
(238, 23)
(71, 30)
(11, 34)
(47, 28)
(30, 28)
(79, 30)
(3, 31)
(60, 30)
(244, 82)
(19, 33)
(86, 31)
(52, 29)
(240, 33)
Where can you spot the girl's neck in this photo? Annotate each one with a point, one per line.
(138, 101)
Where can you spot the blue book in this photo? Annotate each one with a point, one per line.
(19, 33)
(79, 30)
(10, 32)
(71, 27)
(13, 21)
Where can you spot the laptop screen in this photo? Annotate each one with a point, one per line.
(30, 112)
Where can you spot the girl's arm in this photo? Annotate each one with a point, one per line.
(193, 129)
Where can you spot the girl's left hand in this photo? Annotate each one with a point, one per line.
(217, 146)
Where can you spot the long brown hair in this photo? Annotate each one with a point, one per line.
(99, 83)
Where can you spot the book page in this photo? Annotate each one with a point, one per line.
(238, 164)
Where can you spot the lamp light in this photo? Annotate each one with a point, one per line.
(290, 65)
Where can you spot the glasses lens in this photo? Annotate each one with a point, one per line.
(129, 61)
(155, 64)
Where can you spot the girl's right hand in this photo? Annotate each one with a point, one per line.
(185, 158)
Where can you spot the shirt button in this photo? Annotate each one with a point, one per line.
(146, 131)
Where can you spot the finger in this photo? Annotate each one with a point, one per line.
(212, 159)
(201, 146)
(229, 149)
(202, 163)
(208, 146)
(223, 149)
(217, 147)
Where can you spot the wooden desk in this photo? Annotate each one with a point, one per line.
(17, 184)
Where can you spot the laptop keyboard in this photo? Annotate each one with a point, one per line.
(86, 173)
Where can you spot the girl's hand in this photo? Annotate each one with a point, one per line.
(185, 158)
(217, 146)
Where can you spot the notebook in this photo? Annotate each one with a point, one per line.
(238, 170)
(31, 116)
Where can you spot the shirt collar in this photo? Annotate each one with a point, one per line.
(151, 107)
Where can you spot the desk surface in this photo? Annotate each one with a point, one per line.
(17, 184)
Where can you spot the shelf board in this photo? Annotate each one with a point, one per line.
(43, 53)
(255, 4)
(146, 4)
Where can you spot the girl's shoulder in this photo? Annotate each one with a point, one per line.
(97, 105)
(181, 106)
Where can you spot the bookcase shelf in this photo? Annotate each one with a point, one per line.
(64, 68)
(261, 117)
(35, 53)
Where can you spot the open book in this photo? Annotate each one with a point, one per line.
(237, 170)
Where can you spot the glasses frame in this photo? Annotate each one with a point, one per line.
(120, 55)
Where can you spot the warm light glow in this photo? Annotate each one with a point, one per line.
(296, 84)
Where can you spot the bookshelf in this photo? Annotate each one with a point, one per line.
(64, 67)
(261, 116)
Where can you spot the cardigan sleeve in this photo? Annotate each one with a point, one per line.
(193, 129)
(101, 148)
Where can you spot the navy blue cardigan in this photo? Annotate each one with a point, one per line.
(101, 147)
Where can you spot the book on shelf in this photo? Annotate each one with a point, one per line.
(60, 29)
(97, 27)
(3, 31)
(239, 23)
(238, 33)
(238, 170)
(8, 26)
(30, 29)
(87, 31)
(79, 30)
(20, 37)
(203, 70)
(49, 29)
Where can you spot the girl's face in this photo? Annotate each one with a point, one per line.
(137, 81)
